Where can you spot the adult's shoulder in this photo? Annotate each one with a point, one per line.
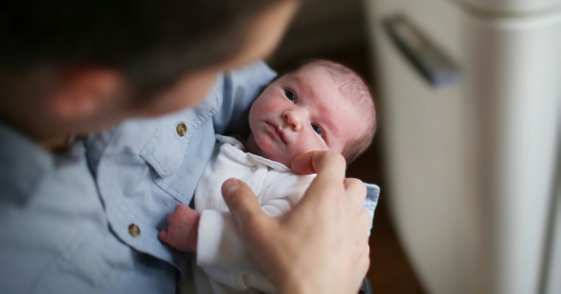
(256, 73)
(238, 89)
(248, 81)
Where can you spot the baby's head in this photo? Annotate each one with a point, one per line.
(319, 105)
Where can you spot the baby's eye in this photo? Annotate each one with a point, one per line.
(317, 130)
(290, 96)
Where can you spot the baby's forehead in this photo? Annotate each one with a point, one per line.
(348, 84)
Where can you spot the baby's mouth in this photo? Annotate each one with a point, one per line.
(277, 132)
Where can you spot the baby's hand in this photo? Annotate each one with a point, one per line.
(183, 229)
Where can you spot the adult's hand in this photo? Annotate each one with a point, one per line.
(321, 246)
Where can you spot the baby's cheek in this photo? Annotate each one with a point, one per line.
(305, 147)
(264, 143)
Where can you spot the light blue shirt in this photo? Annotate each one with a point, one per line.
(65, 221)
(54, 233)
(147, 167)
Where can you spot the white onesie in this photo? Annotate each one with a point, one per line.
(220, 252)
(223, 264)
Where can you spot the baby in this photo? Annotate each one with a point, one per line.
(319, 105)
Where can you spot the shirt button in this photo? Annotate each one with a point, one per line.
(254, 168)
(181, 129)
(134, 230)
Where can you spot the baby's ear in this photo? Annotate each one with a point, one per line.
(79, 92)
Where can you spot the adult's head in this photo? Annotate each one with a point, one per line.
(76, 66)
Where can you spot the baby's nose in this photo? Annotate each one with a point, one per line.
(294, 119)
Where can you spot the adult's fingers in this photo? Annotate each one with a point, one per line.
(356, 190)
(328, 163)
(243, 204)
(365, 219)
(330, 167)
(303, 164)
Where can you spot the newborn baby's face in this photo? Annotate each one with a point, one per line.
(301, 112)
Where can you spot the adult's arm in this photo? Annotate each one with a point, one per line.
(319, 247)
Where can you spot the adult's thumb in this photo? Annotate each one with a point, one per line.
(242, 203)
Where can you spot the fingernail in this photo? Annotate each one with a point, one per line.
(231, 186)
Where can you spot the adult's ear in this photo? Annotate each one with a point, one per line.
(79, 92)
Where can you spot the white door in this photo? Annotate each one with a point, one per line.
(471, 164)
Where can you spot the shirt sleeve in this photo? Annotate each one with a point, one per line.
(371, 201)
(239, 88)
(221, 246)
(222, 253)
(223, 256)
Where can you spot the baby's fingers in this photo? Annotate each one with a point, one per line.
(164, 236)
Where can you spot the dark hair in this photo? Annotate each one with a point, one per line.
(153, 42)
(353, 87)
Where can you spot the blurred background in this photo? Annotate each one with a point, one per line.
(466, 152)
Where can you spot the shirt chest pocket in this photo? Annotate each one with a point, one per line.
(180, 149)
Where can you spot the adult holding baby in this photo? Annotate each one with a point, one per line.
(70, 68)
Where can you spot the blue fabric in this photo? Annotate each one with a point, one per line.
(371, 201)
(63, 233)
(54, 235)
(146, 168)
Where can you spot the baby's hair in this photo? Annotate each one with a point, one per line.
(353, 87)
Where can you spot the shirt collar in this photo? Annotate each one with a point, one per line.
(23, 164)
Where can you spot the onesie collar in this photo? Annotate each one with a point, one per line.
(243, 157)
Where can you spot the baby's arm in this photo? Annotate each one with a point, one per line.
(221, 251)
(183, 226)
(220, 243)
(182, 231)
(182, 234)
